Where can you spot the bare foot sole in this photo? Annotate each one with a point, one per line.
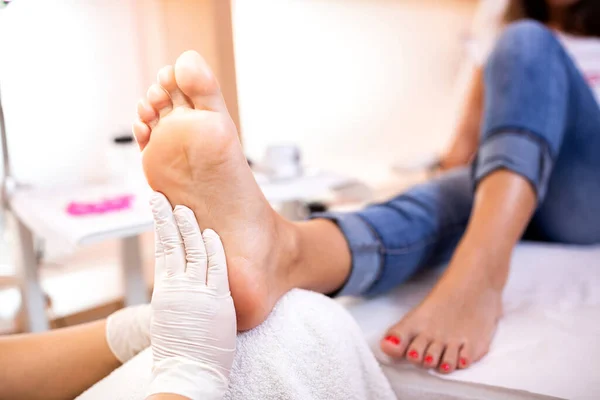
(192, 154)
(453, 327)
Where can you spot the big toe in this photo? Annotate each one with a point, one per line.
(197, 81)
(396, 341)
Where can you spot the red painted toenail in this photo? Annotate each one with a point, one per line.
(463, 361)
(392, 339)
(429, 359)
(413, 354)
(446, 367)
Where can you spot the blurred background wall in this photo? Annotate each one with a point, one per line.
(69, 79)
(358, 84)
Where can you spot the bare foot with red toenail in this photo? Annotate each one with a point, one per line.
(454, 325)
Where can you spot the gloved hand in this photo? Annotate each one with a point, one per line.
(193, 325)
(128, 331)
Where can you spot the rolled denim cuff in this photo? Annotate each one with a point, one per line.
(520, 152)
(365, 249)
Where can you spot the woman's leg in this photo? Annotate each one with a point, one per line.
(192, 154)
(454, 325)
(539, 147)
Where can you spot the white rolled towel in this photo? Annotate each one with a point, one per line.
(309, 348)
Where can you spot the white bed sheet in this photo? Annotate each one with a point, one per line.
(548, 342)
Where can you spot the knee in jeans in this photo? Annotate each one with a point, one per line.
(528, 41)
(527, 29)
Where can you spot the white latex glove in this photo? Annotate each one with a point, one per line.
(193, 325)
(128, 331)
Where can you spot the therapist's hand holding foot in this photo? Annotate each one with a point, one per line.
(193, 329)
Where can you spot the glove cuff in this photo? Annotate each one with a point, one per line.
(128, 331)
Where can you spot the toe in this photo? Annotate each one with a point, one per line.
(396, 341)
(464, 357)
(433, 353)
(450, 358)
(166, 78)
(198, 83)
(147, 113)
(159, 99)
(417, 348)
(141, 131)
(392, 345)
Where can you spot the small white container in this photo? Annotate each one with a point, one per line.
(125, 163)
(283, 162)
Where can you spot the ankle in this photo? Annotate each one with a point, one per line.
(488, 263)
(289, 255)
(315, 255)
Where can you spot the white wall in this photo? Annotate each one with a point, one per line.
(359, 84)
(70, 82)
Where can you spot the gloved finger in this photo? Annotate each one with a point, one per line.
(195, 252)
(217, 264)
(159, 250)
(159, 258)
(167, 230)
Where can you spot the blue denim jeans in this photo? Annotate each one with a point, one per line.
(541, 121)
